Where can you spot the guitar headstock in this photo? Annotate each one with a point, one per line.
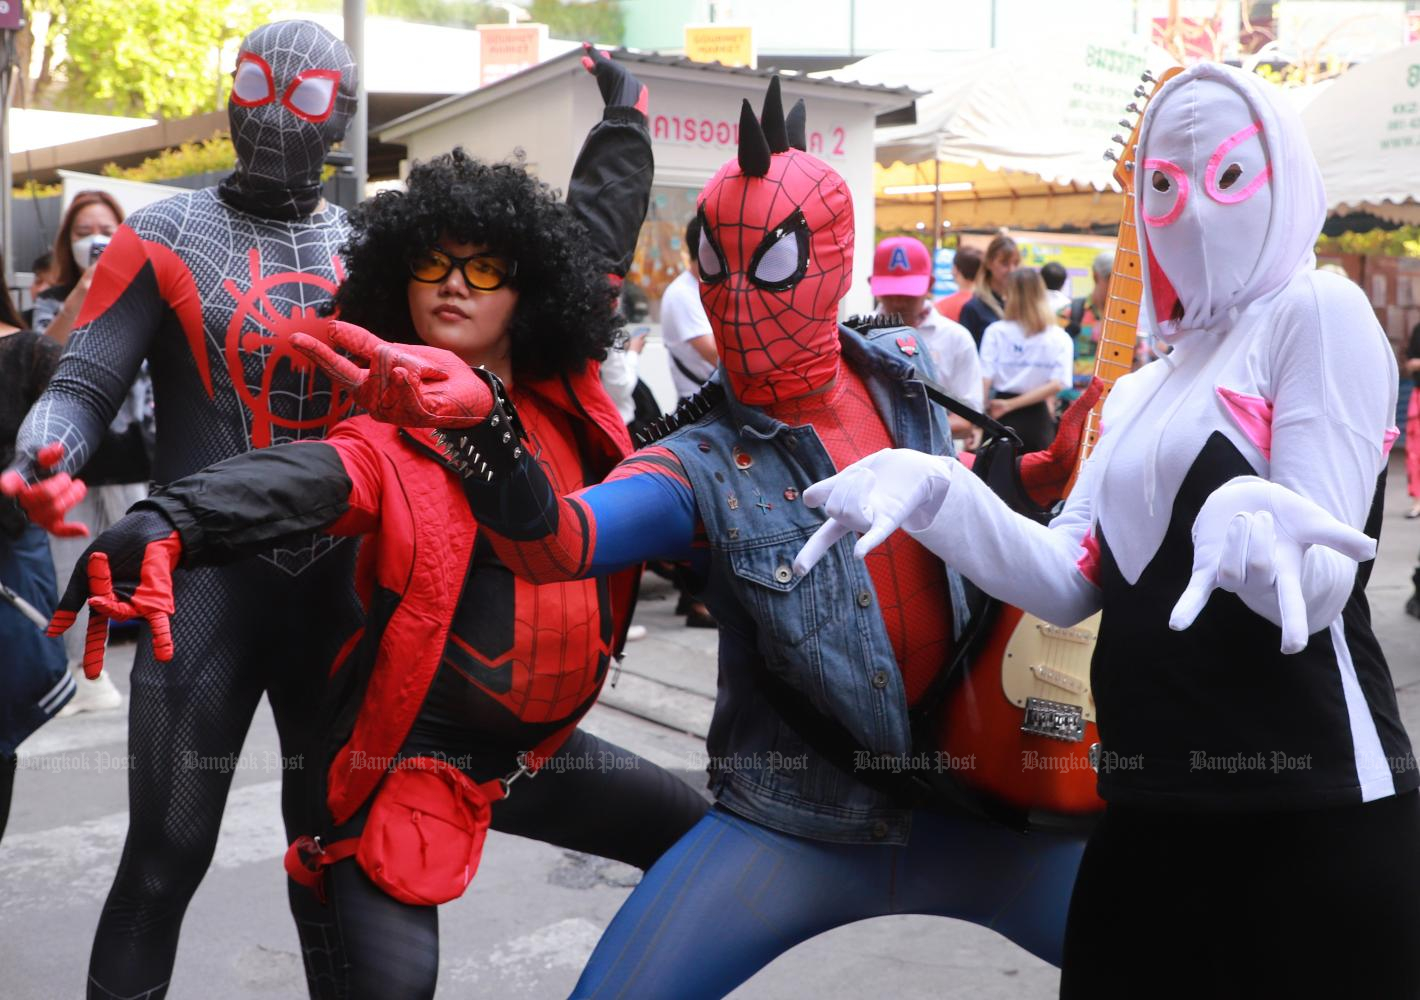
(1134, 117)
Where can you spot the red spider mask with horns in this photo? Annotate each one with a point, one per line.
(775, 253)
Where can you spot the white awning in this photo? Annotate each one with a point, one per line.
(1365, 131)
(1047, 111)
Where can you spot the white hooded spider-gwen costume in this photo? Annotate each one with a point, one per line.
(1264, 805)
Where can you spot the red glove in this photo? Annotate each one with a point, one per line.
(126, 573)
(411, 385)
(618, 86)
(49, 500)
(1045, 474)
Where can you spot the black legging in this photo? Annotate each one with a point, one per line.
(240, 630)
(592, 797)
(1035, 423)
(1320, 903)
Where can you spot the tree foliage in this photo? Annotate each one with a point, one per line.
(598, 21)
(136, 57)
(585, 20)
(1402, 242)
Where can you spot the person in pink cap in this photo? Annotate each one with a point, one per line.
(902, 285)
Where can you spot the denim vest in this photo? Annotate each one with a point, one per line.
(822, 633)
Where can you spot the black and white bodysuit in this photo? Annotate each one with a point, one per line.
(1263, 796)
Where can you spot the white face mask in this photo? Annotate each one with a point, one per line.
(1205, 195)
(84, 246)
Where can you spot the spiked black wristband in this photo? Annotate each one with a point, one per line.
(488, 451)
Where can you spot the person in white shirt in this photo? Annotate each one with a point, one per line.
(685, 329)
(1054, 275)
(902, 283)
(1027, 359)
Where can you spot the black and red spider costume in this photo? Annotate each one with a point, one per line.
(208, 286)
(458, 659)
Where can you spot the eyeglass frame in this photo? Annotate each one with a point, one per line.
(459, 263)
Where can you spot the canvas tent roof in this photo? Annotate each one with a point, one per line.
(1365, 131)
(1018, 136)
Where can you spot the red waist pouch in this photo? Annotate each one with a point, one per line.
(422, 840)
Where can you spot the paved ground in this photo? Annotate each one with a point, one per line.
(534, 913)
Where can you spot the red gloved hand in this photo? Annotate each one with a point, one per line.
(618, 86)
(126, 573)
(49, 500)
(1045, 474)
(411, 385)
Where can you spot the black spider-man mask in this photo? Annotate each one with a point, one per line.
(293, 92)
(776, 248)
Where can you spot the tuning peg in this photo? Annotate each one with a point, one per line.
(1110, 154)
(1129, 165)
(1140, 92)
(1134, 109)
(1120, 139)
(1125, 123)
(1146, 76)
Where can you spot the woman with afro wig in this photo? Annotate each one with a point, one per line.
(456, 707)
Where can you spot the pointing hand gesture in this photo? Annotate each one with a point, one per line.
(412, 385)
(1250, 538)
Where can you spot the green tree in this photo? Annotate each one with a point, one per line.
(137, 57)
(598, 21)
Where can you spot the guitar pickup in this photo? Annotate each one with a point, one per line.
(1083, 636)
(1058, 678)
(1054, 720)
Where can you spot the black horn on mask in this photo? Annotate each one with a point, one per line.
(754, 148)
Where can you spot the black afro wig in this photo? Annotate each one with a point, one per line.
(565, 314)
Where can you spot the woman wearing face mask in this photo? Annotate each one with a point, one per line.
(1027, 359)
(92, 218)
(1262, 831)
(988, 304)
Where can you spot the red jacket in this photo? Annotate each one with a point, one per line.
(412, 568)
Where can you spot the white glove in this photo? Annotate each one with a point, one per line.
(1250, 538)
(875, 496)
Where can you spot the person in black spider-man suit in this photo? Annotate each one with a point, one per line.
(209, 286)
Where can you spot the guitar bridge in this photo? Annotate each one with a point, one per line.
(1054, 720)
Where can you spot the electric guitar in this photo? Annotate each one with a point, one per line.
(1022, 713)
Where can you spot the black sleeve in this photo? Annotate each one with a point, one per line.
(611, 185)
(98, 367)
(250, 502)
(1413, 350)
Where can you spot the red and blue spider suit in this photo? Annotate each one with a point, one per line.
(208, 286)
(795, 845)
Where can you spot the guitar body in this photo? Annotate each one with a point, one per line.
(1022, 715)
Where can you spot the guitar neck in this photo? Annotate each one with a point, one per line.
(1120, 327)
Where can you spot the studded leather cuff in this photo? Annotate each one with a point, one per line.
(490, 451)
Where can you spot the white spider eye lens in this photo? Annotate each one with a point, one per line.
(313, 97)
(251, 85)
(780, 261)
(707, 257)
